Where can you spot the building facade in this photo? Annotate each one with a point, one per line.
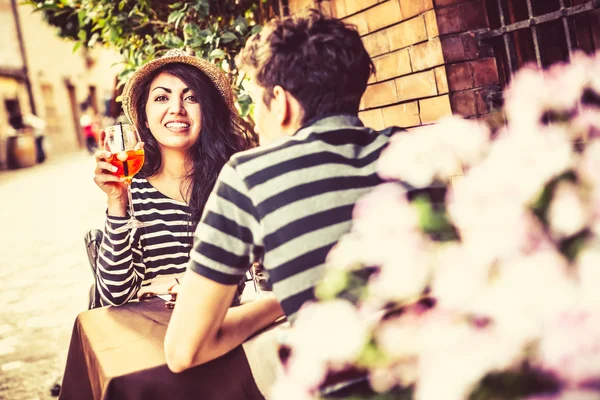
(40, 75)
(439, 57)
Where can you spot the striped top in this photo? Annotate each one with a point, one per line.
(285, 205)
(142, 260)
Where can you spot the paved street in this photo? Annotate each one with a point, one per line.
(44, 212)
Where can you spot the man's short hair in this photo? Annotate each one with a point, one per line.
(320, 61)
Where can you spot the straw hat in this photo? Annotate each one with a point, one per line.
(214, 73)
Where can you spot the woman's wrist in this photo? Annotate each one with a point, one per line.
(117, 207)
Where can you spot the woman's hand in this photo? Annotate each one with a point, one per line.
(115, 189)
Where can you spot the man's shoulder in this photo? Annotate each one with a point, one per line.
(306, 142)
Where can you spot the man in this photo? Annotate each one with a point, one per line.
(286, 203)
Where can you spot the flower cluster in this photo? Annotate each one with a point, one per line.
(481, 279)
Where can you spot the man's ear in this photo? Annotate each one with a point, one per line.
(279, 105)
(289, 112)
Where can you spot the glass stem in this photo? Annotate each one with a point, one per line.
(130, 200)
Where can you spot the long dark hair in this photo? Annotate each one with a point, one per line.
(223, 133)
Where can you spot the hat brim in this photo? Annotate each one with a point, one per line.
(214, 73)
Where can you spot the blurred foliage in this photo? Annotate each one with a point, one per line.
(142, 30)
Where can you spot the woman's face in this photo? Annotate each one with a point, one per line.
(173, 113)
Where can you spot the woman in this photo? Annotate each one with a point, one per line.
(182, 107)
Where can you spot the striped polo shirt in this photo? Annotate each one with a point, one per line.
(132, 262)
(286, 204)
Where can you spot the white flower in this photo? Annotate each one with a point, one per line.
(405, 269)
(408, 158)
(525, 292)
(402, 374)
(399, 338)
(567, 395)
(570, 347)
(590, 164)
(382, 379)
(457, 356)
(567, 214)
(525, 98)
(467, 140)
(286, 388)
(384, 212)
(588, 268)
(459, 277)
(439, 151)
(330, 332)
(346, 254)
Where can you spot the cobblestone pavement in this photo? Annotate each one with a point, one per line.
(44, 275)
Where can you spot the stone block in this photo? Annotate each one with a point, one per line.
(383, 15)
(426, 55)
(379, 94)
(464, 103)
(434, 108)
(416, 86)
(372, 118)
(392, 65)
(402, 115)
(410, 8)
(407, 33)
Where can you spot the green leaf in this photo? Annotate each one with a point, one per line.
(204, 33)
(82, 35)
(122, 4)
(217, 53)
(228, 37)
(256, 29)
(334, 282)
(76, 46)
(371, 356)
(174, 6)
(241, 22)
(93, 40)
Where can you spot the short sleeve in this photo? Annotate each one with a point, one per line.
(225, 238)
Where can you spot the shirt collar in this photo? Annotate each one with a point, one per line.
(336, 121)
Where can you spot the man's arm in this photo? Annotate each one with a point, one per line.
(203, 327)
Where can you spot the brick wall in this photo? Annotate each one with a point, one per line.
(471, 69)
(428, 62)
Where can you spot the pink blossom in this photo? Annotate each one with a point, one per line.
(286, 388)
(330, 333)
(457, 144)
(590, 164)
(588, 268)
(520, 300)
(384, 212)
(570, 346)
(567, 214)
(525, 98)
(346, 254)
(398, 337)
(408, 158)
(405, 268)
(567, 395)
(533, 92)
(383, 379)
(456, 356)
(459, 278)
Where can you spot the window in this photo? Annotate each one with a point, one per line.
(540, 31)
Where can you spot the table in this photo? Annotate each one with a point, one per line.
(117, 353)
